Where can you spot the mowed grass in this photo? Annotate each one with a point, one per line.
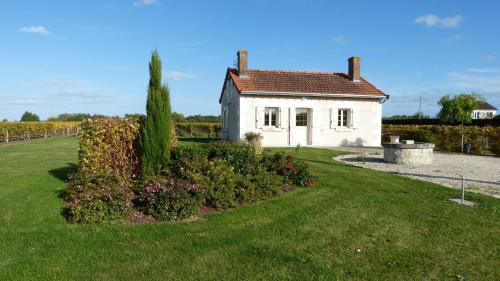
(356, 224)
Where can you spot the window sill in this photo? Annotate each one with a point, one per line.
(343, 129)
(271, 129)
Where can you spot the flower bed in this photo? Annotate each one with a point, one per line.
(218, 175)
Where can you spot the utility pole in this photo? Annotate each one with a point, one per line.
(419, 107)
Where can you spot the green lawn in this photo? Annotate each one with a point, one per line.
(405, 230)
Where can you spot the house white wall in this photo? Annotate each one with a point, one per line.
(246, 114)
(483, 114)
(231, 120)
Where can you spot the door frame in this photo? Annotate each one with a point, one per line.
(292, 124)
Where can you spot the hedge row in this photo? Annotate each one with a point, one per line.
(434, 121)
(448, 138)
(23, 130)
(201, 130)
(110, 146)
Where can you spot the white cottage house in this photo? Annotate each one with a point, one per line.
(484, 111)
(290, 108)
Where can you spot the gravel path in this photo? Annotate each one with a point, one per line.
(481, 173)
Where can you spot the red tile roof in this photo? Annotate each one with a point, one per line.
(486, 106)
(296, 82)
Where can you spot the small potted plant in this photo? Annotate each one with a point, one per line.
(254, 139)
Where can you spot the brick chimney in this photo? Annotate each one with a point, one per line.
(242, 63)
(354, 69)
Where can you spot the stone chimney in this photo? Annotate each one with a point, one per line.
(354, 69)
(243, 63)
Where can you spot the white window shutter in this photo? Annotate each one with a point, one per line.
(350, 118)
(260, 114)
(355, 117)
(283, 117)
(334, 117)
(278, 116)
(292, 117)
(258, 119)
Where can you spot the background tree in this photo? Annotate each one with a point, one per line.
(79, 117)
(458, 109)
(134, 116)
(417, 115)
(155, 135)
(30, 116)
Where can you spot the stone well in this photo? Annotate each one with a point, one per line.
(408, 153)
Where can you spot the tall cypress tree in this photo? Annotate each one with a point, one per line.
(155, 138)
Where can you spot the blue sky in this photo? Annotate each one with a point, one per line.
(91, 56)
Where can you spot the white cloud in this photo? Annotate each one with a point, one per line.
(176, 75)
(485, 80)
(35, 29)
(12, 100)
(489, 58)
(87, 95)
(484, 70)
(76, 89)
(63, 83)
(338, 39)
(145, 3)
(433, 20)
(454, 38)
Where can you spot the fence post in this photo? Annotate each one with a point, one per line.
(67, 131)
(29, 137)
(45, 134)
(7, 136)
(463, 191)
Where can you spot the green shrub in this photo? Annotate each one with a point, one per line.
(218, 178)
(170, 199)
(97, 199)
(240, 155)
(290, 168)
(258, 186)
(186, 154)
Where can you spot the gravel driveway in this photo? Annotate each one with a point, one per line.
(481, 173)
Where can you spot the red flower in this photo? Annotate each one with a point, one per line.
(309, 183)
(289, 165)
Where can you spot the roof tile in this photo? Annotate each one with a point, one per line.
(328, 83)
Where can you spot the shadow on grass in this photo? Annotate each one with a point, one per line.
(63, 172)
